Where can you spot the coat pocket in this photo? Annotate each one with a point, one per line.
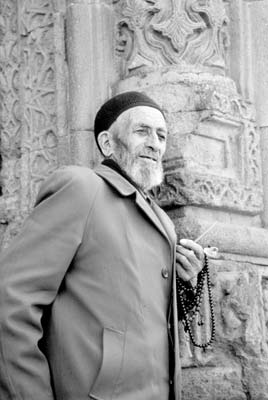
(112, 357)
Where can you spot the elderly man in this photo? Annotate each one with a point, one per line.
(87, 290)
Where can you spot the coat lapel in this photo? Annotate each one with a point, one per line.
(153, 212)
(166, 222)
(149, 210)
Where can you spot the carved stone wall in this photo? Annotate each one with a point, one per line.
(33, 102)
(204, 62)
(10, 110)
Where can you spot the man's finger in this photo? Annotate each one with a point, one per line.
(183, 274)
(186, 265)
(189, 254)
(191, 245)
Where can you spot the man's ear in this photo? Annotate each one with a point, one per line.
(105, 143)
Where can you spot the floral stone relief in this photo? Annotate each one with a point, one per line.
(183, 32)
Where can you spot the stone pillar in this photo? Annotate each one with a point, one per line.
(90, 59)
(259, 14)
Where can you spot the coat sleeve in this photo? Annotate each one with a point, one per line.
(31, 271)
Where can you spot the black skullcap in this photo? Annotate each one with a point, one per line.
(110, 110)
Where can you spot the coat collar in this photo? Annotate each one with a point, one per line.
(115, 179)
(153, 212)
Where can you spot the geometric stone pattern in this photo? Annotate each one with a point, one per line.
(156, 33)
(10, 122)
(29, 118)
(38, 90)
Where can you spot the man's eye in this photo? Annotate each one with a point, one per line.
(142, 130)
(162, 137)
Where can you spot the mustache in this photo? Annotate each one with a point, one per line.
(155, 156)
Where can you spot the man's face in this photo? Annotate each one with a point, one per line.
(139, 143)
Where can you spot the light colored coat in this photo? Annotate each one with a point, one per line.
(85, 294)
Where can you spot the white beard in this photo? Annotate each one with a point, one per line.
(146, 176)
(145, 173)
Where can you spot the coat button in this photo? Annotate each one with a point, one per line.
(165, 273)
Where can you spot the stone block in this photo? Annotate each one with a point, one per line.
(255, 378)
(221, 383)
(233, 236)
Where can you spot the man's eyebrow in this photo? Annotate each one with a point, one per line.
(143, 125)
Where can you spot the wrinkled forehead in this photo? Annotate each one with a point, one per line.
(143, 115)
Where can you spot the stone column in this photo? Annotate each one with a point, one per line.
(90, 59)
(259, 12)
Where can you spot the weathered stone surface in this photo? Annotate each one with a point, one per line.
(255, 378)
(264, 147)
(259, 18)
(235, 366)
(240, 300)
(229, 237)
(213, 384)
(90, 43)
(90, 58)
(83, 148)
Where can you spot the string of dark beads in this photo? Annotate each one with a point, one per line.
(190, 300)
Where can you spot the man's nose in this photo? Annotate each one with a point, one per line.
(153, 141)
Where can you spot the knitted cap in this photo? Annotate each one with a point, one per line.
(110, 110)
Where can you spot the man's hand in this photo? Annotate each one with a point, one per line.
(190, 259)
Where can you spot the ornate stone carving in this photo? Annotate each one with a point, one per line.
(38, 85)
(10, 120)
(28, 120)
(186, 32)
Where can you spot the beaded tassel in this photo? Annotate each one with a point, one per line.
(190, 304)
